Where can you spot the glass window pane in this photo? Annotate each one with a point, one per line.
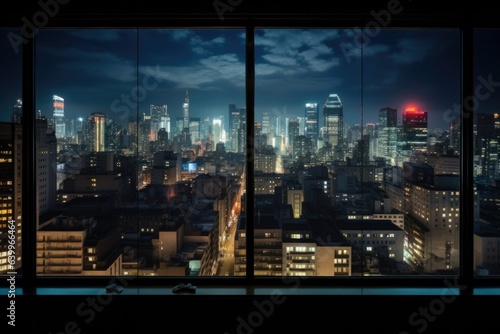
(134, 176)
(354, 200)
(410, 150)
(307, 102)
(486, 101)
(86, 82)
(11, 154)
(191, 145)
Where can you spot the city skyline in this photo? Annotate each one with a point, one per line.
(99, 71)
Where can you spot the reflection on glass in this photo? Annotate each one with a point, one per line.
(486, 153)
(10, 159)
(356, 165)
(140, 154)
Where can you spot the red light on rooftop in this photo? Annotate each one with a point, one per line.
(413, 110)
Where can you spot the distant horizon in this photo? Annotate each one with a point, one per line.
(97, 71)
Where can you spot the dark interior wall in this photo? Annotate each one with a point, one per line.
(258, 314)
(133, 12)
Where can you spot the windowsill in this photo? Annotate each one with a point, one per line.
(262, 291)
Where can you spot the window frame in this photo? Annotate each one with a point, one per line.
(29, 282)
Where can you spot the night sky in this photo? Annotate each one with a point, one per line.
(103, 70)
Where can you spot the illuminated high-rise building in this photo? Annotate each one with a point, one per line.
(388, 134)
(97, 127)
(159, 117)
(179, 125)
(266, 124)
(194, 130)
(185, 111)
(10, 192)
(415, 130)
(312, 122)
(242, 131)
(205, 129)
(234, 125)
(17, 112)
(333, 121)
(486, 150)
(217, 128)
(58, 114)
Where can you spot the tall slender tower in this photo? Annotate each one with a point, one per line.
(312, 122)
(333, 121)
(59, 122)
(234, 126)
(98, 126)
(17, 113)
(185, 111)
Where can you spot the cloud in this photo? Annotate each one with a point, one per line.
(197, 40)
(411, 50)
(295, 51)
(179, 34)
(199, 44)
(226, 67)
(100, 64)
(266, 69)
(280, 59)
(354, 50)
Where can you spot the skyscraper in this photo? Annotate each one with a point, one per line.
(388, 134)
(17, 113)
(10, 192)
(217, 128)
(234, 125)
(415, 130)
(266, 124)
(293, 131)
(98, 126)
(333, 121)
(158, 119)
(58, 114)
(185, 111)
(242, 131)
(312, 120)
(194, 129)
(46, 160)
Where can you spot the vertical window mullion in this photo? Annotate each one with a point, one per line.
(250, 188)
(467, 158)
(29, 185)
